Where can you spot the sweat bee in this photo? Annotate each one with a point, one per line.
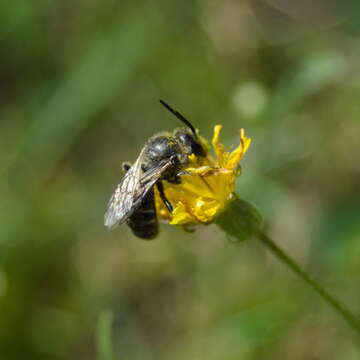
(162, 158)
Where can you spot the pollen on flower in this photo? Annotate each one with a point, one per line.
(207, 185)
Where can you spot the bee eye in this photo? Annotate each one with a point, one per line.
(193, 145)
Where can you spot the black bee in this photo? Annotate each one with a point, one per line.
(163, 158)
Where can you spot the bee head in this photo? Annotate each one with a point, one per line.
(190, 142)
(188, 137)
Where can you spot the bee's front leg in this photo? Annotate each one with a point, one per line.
(202, 171)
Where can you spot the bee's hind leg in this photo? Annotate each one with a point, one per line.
(166, 202)
(126, 166)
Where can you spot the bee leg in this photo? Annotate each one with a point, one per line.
(166, 202)
(202, 171)
(176, 179)
(126, 166)
(184, 172)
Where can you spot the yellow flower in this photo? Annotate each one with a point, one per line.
(207, 185)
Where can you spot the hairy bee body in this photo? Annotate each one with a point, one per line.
(164, 147)
(162, 158)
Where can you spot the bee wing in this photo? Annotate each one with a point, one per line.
(131, 190)
(120, 205)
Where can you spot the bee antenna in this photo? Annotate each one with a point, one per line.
(179, 116)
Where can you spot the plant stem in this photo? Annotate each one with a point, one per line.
(351, 319)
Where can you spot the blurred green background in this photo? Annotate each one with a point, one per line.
(79, 89)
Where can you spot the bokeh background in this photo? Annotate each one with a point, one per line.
(79, 89)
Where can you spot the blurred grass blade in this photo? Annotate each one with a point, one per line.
(101, 75)
(103, 336)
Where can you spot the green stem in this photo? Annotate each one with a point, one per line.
(351, 319)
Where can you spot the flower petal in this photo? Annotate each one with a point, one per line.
(181, 216)
(236, 155)
(207, 184)
(218, 147)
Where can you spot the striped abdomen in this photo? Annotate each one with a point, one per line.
(143, 222)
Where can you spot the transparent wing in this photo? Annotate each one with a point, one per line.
(131, 190)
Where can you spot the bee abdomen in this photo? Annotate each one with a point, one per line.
(143, 222)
